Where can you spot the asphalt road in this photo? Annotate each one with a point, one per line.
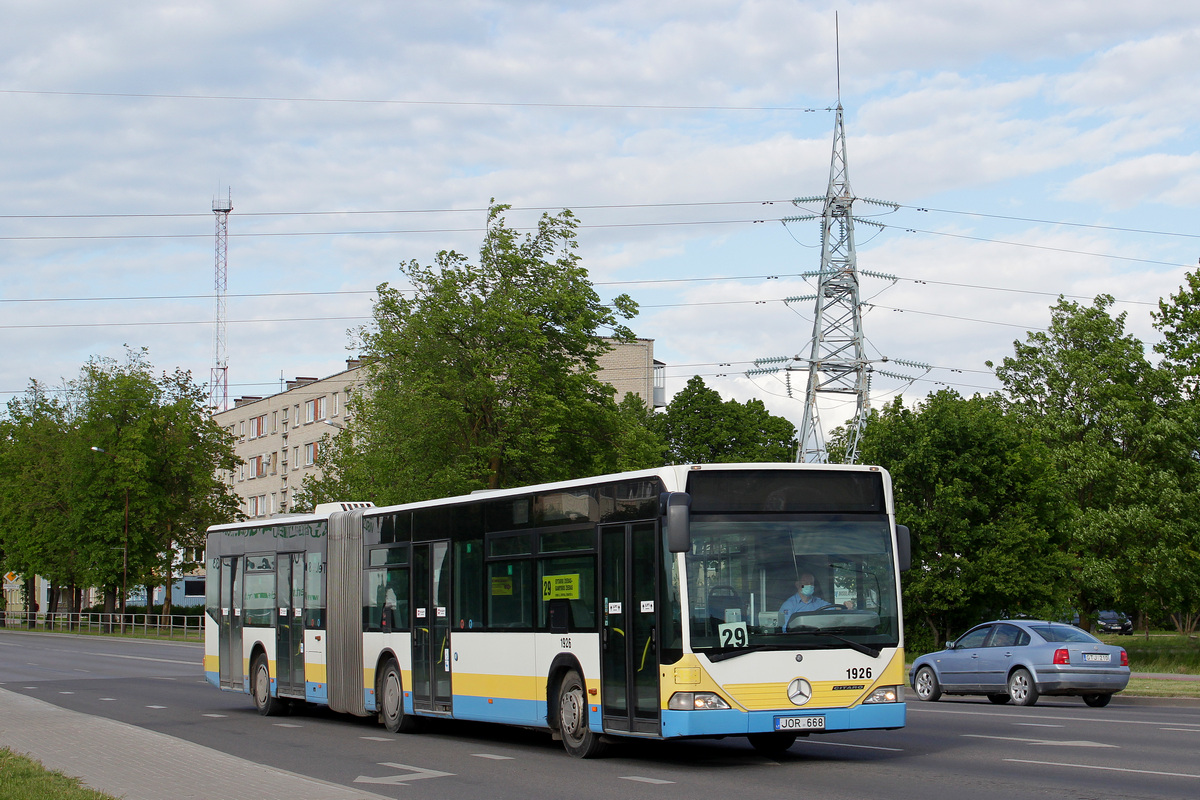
(953, 748)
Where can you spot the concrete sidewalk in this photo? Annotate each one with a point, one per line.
(136, 764)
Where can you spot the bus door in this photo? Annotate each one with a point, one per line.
(431, 626)
(629, 659)
(289, 633)
(229, 641)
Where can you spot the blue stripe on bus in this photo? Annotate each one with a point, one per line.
(499, 709)
(712, 722)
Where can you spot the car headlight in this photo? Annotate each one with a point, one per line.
(691, 701)
(886, 694)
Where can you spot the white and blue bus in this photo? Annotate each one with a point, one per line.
(655, 604)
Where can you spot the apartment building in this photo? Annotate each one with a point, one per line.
(279, 436)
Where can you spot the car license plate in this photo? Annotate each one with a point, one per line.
(1097, 657)
(799, 723)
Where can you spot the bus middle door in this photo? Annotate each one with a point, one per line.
(431, 627)
(629, 659)
(229, 641)
(289, 635)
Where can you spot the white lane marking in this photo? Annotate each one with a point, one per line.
(1038, 725)
(492, 756)
(1182, 730)
(109, 699)
(640, 779)
(1109, 769)
(1046, 742)
(156, 707)
(376, 738)
(216, 716)
(1089, 720)
(414, 774)
(287, 725)
(846, 744)
(66, 693)
(29, 687)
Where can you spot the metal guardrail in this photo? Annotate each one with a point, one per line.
(188, 627)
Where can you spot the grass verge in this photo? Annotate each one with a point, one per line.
(22, 778)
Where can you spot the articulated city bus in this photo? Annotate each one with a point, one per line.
(757, 600)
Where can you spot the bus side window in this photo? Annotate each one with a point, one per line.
(571, 579)
(509, 593)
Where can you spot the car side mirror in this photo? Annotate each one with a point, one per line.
(950, 645)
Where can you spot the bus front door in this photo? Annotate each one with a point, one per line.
(629, 659)
(229, 642)
(431, 627)
(289, 635)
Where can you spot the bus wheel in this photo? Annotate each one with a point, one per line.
(260, 685)
(389, 695)
(772, 745)
(577, 738)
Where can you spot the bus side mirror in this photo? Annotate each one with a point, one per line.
(904, 548)
(674, 508)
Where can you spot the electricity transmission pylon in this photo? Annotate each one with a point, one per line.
(218, 383)
(836, 362)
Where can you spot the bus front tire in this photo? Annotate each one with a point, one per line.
(390, 697)
(577, 738)
(260, 687)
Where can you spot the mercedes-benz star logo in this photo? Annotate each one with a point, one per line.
(799, 691)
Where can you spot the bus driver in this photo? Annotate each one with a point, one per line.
(804, 599)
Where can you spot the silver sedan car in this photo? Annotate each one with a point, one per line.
(1021, 660)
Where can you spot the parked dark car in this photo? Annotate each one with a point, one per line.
(1114, 622)
(1021, 660)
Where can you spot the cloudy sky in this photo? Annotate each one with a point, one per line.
(1034, 148)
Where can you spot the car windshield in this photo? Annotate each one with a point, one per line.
(1063, 633)
(818, 581)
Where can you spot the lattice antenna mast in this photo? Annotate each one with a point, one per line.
(218, 398)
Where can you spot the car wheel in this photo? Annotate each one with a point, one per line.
(260, 687)
(1021, 687)
(771, 745)
(577, 737)
(1097, 700)
(926, 684)
(999, 699)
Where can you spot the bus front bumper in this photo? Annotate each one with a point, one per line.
(731, 722)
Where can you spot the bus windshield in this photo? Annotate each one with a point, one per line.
(807, 581)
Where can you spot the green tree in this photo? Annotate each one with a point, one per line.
(979, 496)
(1124, 461)
(41, 499)
(483, 375)
(700, 427)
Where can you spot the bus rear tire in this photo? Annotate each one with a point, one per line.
(578, 739)
(771, 745)
(260, 688)
(390, 697)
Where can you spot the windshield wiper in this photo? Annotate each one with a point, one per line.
(865, 649)
(722, 655)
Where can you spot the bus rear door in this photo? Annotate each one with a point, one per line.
(229, 642)
(289, 635)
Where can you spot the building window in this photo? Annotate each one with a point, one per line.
(314, 410)
(335, 405)
(296, 417)
(310, 453)
(258, 426)
(275, 421)
(295, 458)
(257, 506)
(258, 467)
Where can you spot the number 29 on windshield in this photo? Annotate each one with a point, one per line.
(733, 634)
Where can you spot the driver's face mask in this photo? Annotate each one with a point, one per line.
(806, 590)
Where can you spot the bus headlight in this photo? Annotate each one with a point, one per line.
(691, 701)
(886, 694)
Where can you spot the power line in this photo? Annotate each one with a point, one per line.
(373, 101)
(1056, 222)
